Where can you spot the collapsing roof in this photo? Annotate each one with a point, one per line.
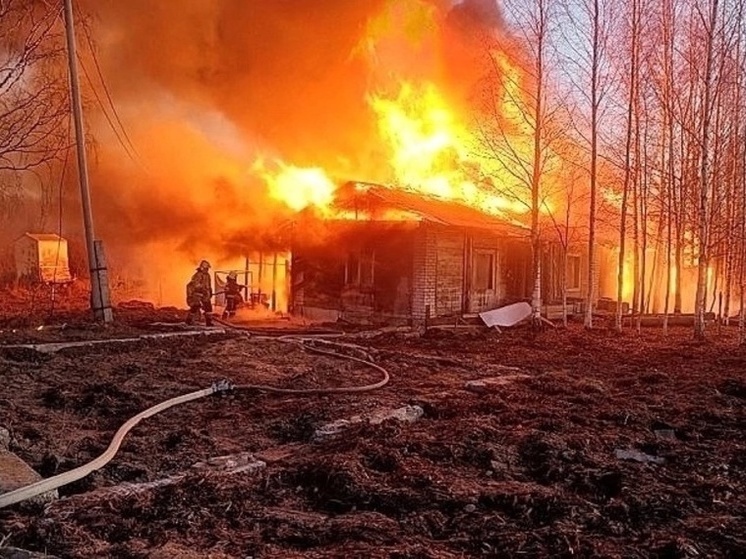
(372, 199)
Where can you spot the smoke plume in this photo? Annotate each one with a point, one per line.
(207, 87)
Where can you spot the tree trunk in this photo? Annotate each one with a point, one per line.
(704, 182)
(742, 251)
(627, 160)
(536, 272)
(667, 163)
(590, 294)
(636, 225)
(564, 285)
(536, 166)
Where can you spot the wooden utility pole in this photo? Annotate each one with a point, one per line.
(100, 301)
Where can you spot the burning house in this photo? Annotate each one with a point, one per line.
(389, 254)
(440, 113)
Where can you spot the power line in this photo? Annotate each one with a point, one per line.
(130, 154)
(130, 149)
(106, 91)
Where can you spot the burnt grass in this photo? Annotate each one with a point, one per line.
(526, 469)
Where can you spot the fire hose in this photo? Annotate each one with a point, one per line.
(60, 480)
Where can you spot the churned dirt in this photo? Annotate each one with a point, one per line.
(525, 467)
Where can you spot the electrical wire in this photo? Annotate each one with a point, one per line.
(106, 91)
(127, 150)
(131, 150)
(128, 147)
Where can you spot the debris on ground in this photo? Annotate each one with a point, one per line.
(526, 470)
(637, 456)
(665, 434)
(406, 414)
(244, 462)
(15, 473)
(491, 384)
(16, 553)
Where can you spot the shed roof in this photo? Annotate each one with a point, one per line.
(43, 236)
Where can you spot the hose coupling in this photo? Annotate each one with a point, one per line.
(223, 385)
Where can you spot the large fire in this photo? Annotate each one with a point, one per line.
(433, 153)
(297, 187)
(430, 136)
(378, 92)
(428, 150)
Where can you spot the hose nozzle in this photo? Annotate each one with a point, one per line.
(223, 385)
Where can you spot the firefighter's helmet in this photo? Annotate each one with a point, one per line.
(204, 265)
(232, 275)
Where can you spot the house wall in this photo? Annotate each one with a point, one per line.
(444, 271)
(553, 261)
(27, 259)
(326, 277)
(449, 272)
(41, 260)
(420, 270)
(424, 266)
(53, 262)
(516, 275)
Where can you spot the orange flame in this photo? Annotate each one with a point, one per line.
(297, 187)
(429, 151)
(424, 137)
(433, 153)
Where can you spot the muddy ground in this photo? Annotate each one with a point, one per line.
(527, 468)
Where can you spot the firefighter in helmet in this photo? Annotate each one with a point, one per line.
(199, 294)
(233, 296)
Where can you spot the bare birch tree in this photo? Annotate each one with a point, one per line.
(523, 148)
(632, 85)
(33, 90)
(587, 39)
(710, 23)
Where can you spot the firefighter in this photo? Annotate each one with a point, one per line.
(233, 297)
(199, 294)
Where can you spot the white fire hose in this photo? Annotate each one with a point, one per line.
(55, 482)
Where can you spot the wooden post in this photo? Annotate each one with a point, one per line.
(100, 295)
(260, 277)
(289, 291)
(274, 281)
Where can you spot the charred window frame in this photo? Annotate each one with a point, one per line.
(484, 269)
(360, 268)
(573, 271)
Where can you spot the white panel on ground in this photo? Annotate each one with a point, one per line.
(509, 315)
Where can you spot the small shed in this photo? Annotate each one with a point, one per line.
(42, 257)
